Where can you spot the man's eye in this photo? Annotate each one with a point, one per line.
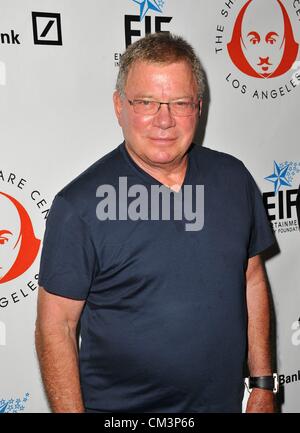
(3, 240)
(181, 104)
(143, 102)
(254, 41)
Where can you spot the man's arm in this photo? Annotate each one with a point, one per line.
(56, 347)
(259, 347)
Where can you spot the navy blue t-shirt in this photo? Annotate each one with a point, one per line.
(164, 326)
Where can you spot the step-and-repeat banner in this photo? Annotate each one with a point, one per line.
(58, 65)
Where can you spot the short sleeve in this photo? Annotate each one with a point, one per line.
(261, 236)
(68, 256)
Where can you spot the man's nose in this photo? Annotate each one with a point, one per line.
(164, 118)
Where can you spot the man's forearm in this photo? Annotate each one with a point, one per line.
(259, 347)
(58, 357)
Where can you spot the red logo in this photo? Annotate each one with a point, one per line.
(18, 244)
(263, 48)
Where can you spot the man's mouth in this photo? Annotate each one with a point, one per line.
(165, 139)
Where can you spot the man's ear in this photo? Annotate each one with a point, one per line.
(118, 103)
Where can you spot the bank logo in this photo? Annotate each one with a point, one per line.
(280, 203)
(10, 38)
(146, 5)
(46, 28)
(284, 379)
(259, 41)
(18, 243)
(263, 48)
(13, 405)
(283, 174)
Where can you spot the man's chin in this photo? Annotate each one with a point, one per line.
(162, 158)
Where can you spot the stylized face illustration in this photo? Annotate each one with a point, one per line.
(260, 47)
(263, 39)
(10, 226)
(18, 244)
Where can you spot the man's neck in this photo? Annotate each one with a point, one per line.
(171, 175)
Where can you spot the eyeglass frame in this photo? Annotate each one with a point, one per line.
(169, 104)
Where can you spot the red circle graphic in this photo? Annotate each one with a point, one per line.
(288, 44)
(26, 241)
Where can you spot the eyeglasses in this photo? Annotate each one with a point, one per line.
(149, 107)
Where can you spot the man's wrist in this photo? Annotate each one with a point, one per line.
(268, 382)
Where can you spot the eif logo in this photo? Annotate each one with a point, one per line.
(13, 405)
(2, 334)
(146, 22)
(280, 203)
(46, 28)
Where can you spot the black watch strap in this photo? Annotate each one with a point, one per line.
(264, 382)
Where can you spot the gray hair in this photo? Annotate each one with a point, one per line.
(163, 48)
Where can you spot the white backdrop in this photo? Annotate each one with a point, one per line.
(56, 118)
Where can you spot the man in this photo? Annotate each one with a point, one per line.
(162, 308)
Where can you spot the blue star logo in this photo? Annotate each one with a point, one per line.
(146, 5)
(13, 405)
(3, 407)
(279, 176)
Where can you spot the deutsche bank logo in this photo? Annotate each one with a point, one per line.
(46, 28)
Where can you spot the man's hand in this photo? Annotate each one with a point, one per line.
(261, 401)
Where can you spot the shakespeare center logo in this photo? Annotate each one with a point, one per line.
(147, 16)
(13, 405)
(259, 44)
(280, 202)
(23, 211)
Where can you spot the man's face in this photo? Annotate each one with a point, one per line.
(263, 40)
(9, 232)
(161, 138)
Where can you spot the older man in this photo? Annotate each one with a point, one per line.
(168, 312)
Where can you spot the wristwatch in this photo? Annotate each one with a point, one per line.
(264, 382)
